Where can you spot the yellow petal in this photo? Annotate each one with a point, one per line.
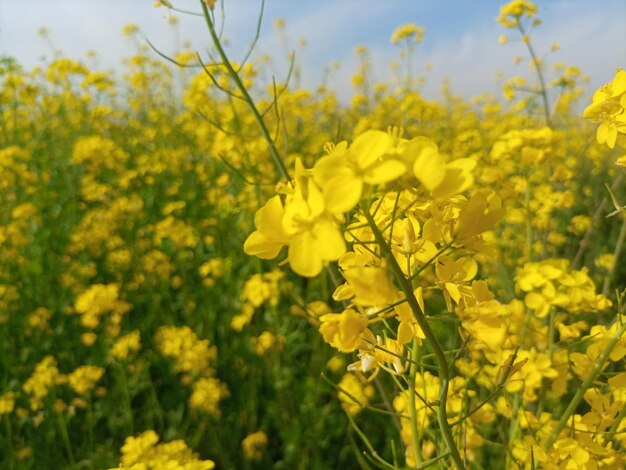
(343, 292)
(328, 242)
(611, 137)
(534, 300)
(468, 266)
(268, 219)
(258, 245)
(405, 332)
(343, 191)
(445, 268)
(618, 85)
(429, 168)
(602, 133)
(371, 285)
(419, 295)
(457, 179)
(618, 382)
(315, 199)
(454, 291)
(327, 167)
(384, 172)
(481, 291)
(296, 211)
(490, 331)
(369, 147)
(432, 231)
(302, 255)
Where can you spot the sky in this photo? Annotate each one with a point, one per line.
(460, 42)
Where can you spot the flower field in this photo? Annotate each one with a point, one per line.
(203, 268)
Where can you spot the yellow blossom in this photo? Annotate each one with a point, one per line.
(253, 445)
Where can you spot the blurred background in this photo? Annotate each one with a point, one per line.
(461, 40)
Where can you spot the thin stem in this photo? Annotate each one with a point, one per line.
(90, 423)
(477, 407)
(616, 422)
(127, 403)
(593, 374)
(440, 357)
(584, 243)
(395, 417)
(538, 67)
(364, 406)
(248, 99)
(441, 251)
(412, 410)
(9, 439)
(619, 245)
(368, 444)
(65, 437)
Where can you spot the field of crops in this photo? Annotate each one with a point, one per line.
(201, 268)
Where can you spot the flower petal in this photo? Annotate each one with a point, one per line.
(302, 255)
(342, 192)
(384, 172)
(369, 147)
(328, 242)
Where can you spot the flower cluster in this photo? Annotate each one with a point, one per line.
(192, 356)
(609, 110)
(144, 452)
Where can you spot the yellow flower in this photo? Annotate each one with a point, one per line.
(88, 338)
(343, 172)
(607, 109)
(407, 32)
(513, 12)
(253, 445)
(125, 345)
(442, 179)
(7, 402)
(84, 378)
(143, 452)
(452, 273)
(370, 285)
(43, 379)
(343, 330)
(265, 342)
(190, 353)
(360, 393)
(269, 237)
(206, 395)
(314, 236)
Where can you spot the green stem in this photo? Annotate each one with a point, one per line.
(595, 218)
(369, 445)
(440, 357)
(65, 437)
(412, 410)
(513, 429)
(9, 434)
(247, 98)
(593, 374)
(619, 245)
(613, 429)
(90, 422)
(538, 67)
(127, 403)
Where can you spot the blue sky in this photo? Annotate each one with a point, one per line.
(460, 42)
